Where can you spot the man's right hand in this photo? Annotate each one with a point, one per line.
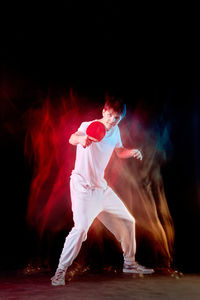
(85, 141)
(80, 138)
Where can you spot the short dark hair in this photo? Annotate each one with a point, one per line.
(116, 103)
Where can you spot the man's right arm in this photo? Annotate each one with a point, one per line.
(79, 138)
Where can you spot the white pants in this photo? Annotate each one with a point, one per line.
(89, 203)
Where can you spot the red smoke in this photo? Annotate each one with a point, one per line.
(48, 131)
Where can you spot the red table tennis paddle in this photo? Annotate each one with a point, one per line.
(96, 131)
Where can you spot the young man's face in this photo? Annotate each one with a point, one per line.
(110, 118)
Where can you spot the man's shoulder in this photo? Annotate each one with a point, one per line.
(85, 124)
(116, 129)
(114, 132)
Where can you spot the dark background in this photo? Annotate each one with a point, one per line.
(143, 51)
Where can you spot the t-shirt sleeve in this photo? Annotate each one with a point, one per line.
(119, 141)
(83, 127)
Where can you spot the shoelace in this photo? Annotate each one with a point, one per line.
(59, 275)
(134, 265)
(139, 267)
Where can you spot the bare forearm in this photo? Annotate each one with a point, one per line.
(75, 139)
(127, 153)
(79, 138)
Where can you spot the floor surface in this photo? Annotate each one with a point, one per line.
(108, 285)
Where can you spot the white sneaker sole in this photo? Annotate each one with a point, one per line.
(57, 283)
(138, 272)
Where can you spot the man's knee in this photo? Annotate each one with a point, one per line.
(81, 232)
(132, 221)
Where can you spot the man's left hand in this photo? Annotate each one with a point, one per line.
(137, 154)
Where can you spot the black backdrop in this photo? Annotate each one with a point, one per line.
(139, 52)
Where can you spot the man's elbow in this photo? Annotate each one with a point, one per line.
(120, 155)
(75, 138)
(118, 151)
(71, 140)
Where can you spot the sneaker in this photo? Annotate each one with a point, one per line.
(136, 269)
(58, 278)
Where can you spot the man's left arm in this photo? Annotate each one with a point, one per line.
(127, 153)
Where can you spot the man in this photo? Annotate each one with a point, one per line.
(91, 196)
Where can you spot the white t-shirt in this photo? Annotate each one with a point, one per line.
(91, 161)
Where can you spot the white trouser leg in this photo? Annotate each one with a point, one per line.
(116, 217)
(86, 205)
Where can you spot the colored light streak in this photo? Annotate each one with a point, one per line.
(140, 185)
